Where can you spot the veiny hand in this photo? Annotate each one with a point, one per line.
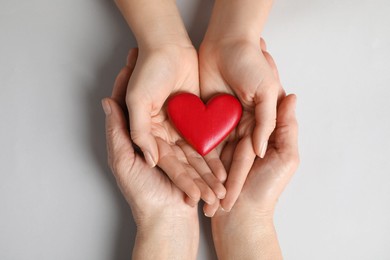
(159, 207)
(241, 68)
(176, 156)
(248, 231)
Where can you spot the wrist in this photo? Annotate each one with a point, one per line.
(234, 19)
(245, 233)
(241, 221)
(154, 23)
(167, 237)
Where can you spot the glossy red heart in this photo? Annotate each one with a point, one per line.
(204, 126)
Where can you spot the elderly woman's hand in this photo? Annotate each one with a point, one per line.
(167, 226)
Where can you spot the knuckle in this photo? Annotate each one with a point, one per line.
(137, 137)
(111, 133)
(268, 125)
(118, 164)
(133, 97)
(178, 176)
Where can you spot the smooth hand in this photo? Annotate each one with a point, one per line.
(167, 63)
(167, 227)
(231, 61)
(242, 69)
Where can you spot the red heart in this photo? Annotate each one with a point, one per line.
(204, 126)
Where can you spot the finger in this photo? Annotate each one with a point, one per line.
(286, 134)
(263, 45)
(117, 135)
(120, 86)
(140, 118)
(132, 58)
(140, 113)
(227, 154)
(206, 194)
(271, 62)
(190, 201)
(209, 210)
(281, 95)
(215, 164)
(265, 117)
(122, 80)
(175, 170)
(201, 167)
(243, 159)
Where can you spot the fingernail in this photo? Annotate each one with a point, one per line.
(149, 159)
(192, 201)
(220, 196)
(106, 107)
(207, 215)
(210, 202)
(226, 210)
(263, 149)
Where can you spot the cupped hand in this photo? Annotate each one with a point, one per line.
(159, 207)
(269, 176)
(246, 70)
(158, 73)
(251, 219)
(192, 174)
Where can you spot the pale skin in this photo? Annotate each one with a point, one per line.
(167, 227)
(167, 63)
(230, 60)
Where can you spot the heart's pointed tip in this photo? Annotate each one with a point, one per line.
(204, 153)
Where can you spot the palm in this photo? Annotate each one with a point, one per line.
(156, 76)
(145, 187)
(269, 176)
(240, 70)
(244, 71)
(160, 73)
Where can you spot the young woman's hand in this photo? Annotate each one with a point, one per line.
(244, 70)
(231, 61)
(167, 64)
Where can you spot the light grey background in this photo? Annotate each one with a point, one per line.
(58, 199)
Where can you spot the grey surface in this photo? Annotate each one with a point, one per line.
(58, 199)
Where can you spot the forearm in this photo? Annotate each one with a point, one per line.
(243, 19)
(166, 239)
(154, 23)
(245, 238)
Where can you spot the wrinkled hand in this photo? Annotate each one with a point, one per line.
(159, 207)
(251, 219)
(269, 176)
(244, 69)
(191, 173)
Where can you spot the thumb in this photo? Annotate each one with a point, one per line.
(141, 128)
(117, 136)
(265, 118)
(286, 134)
